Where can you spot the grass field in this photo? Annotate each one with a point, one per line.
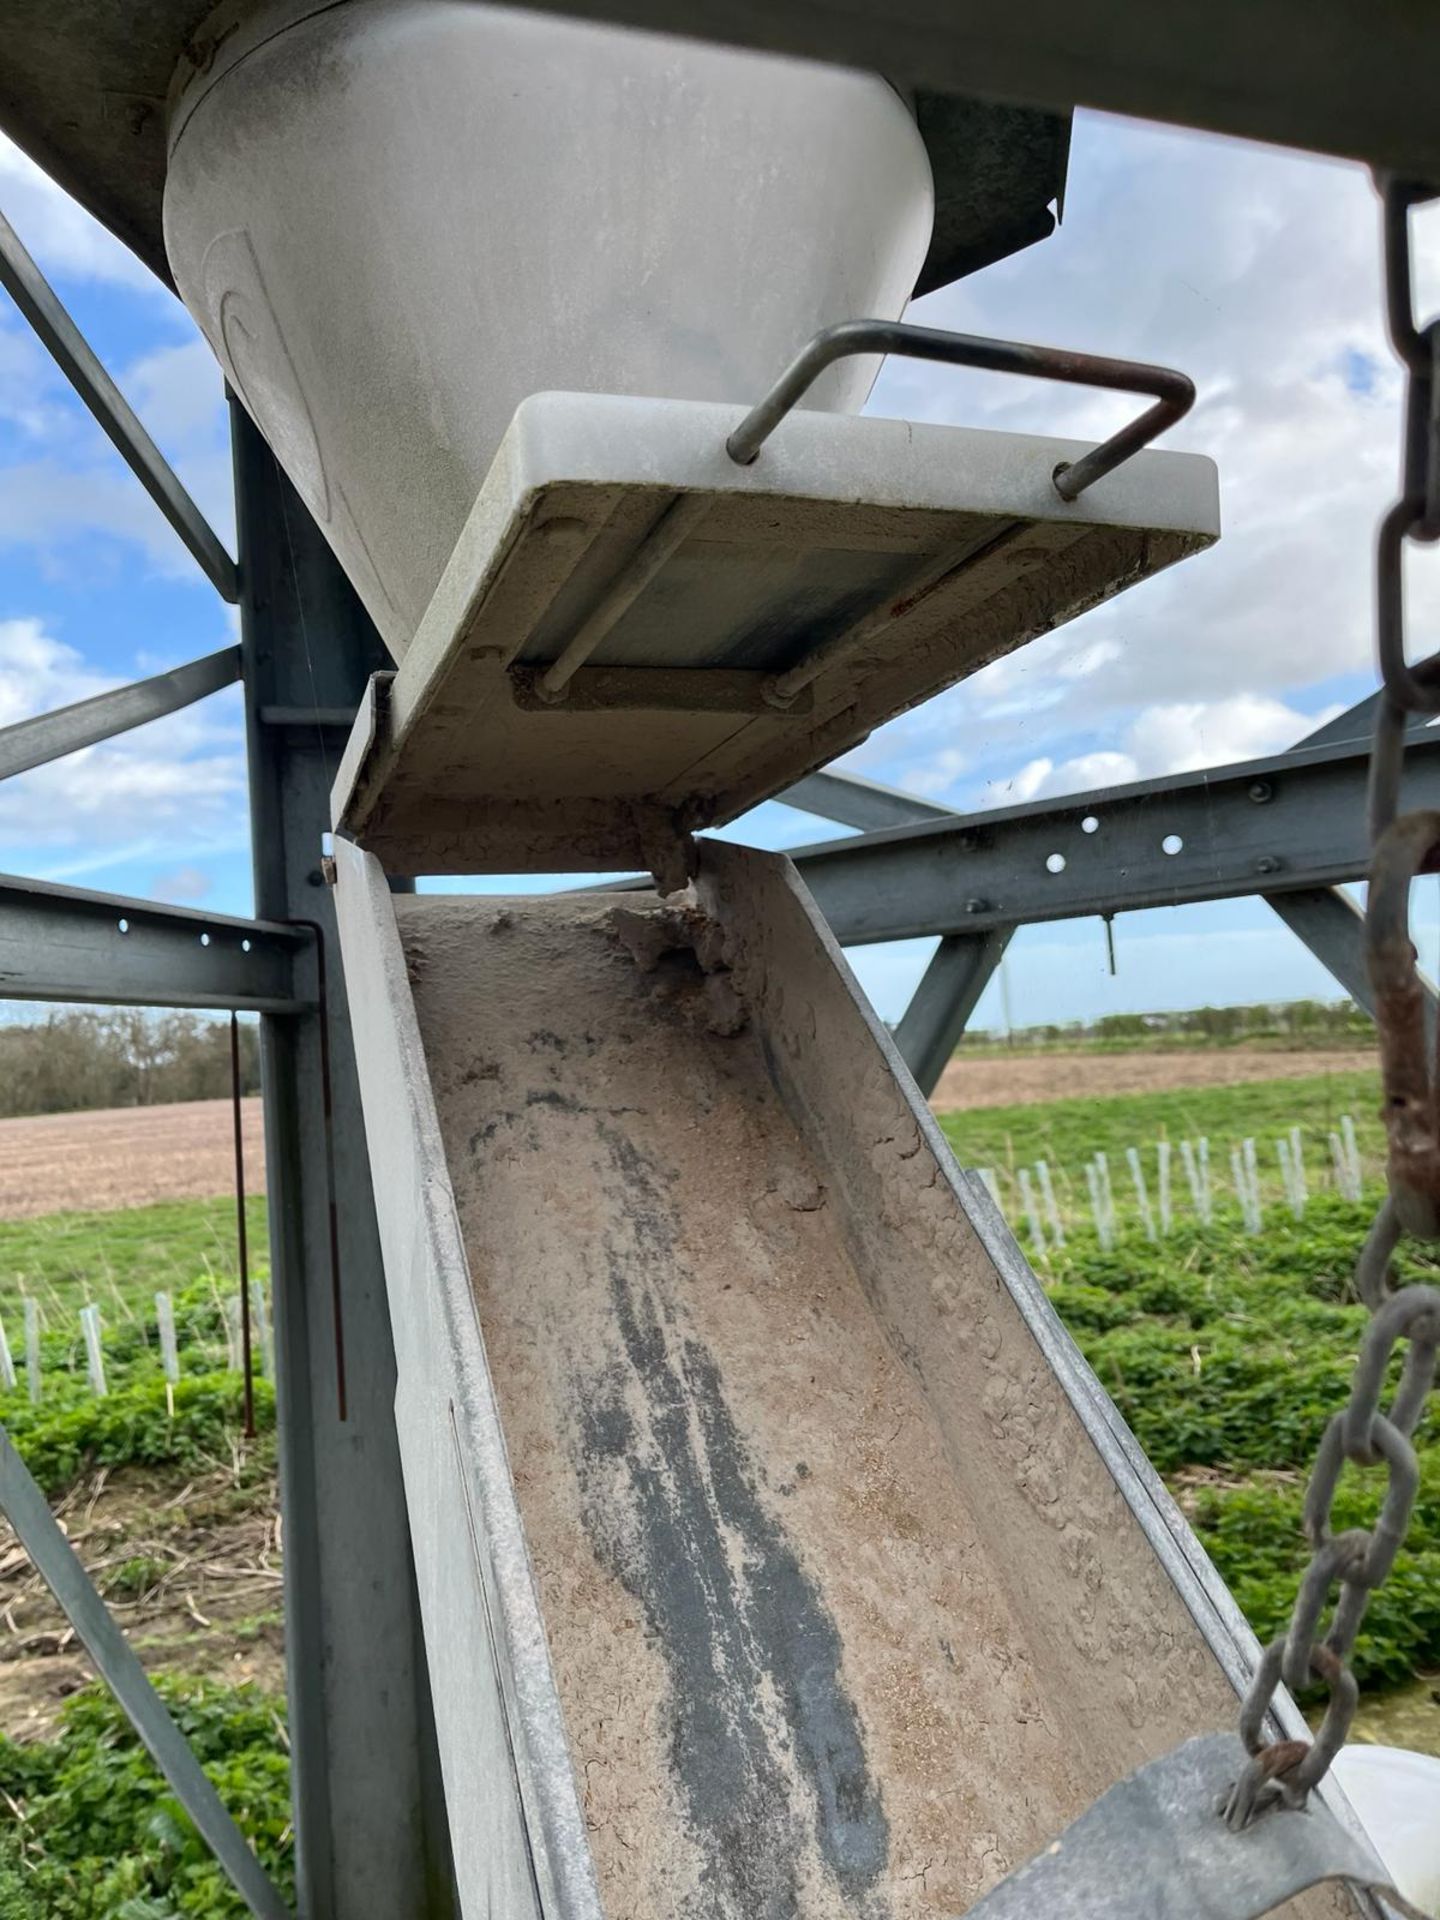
(122, 1258)
(118, 1261)
(1227, 1352)
(1066, 1132)
(173, 1511)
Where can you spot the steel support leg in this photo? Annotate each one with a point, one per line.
(370, 1826)
(1333, 928)
(930, 1029)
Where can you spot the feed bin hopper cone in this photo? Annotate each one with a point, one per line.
(396, 219)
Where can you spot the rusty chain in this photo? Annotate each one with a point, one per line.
(1282, 1773)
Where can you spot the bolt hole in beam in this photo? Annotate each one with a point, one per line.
(63, 944)
(1055, 863)
(1172, 843)
(1089, 824)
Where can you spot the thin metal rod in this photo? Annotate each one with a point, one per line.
(36, 299)
(242, 1237)
(674, 525)
(50, 736)
(54, 1559)
(1174, 392)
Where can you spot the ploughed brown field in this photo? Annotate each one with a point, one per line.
(134, 1156)
(1021, 1078)
(125, 1157)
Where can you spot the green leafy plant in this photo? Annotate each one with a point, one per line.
(96, 1835)
(120, 1260)
(1227, 1352)
(1253, 1533)
(134, 1577)
(132, 1426)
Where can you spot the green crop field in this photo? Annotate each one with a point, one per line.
(93, 1832)
(1067, 1132)
(1226, 1350)
(118, 1262)
(121, 1259)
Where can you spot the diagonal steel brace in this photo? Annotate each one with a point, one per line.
(38, 1532)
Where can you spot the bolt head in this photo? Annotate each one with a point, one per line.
(1261, 791)
(977, 906)
(1267, 863)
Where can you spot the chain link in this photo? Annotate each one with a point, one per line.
(1282, 1773)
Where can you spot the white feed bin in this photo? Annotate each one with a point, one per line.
(1396, 1795)
(396, 219)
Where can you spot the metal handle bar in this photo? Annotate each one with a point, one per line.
(1174, 392)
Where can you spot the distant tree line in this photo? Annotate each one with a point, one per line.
(1289, 1022)
(120, 1057)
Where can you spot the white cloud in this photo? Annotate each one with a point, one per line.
(1184, 735)
(1258, 273)
(27, 382)
(1091, 657)
(1082, 772)
(173, 786)
(183, 885)
(38, 672)
(1015, 789)
(64, 484)
(1175, 737)
(937, 774)
(179, 392)
(58, 506)
(65, 240)
(59, 511)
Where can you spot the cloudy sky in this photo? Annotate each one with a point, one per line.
(1255, 271)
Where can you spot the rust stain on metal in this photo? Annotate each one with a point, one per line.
(1408, 1073)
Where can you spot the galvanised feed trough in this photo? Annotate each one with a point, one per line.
(777, 1556)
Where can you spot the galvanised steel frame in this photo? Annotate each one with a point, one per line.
(369, 1813)
(370, 1824)
(1290, 828)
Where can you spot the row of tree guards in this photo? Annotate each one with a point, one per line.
(92, 1331)
(1046, 1227)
